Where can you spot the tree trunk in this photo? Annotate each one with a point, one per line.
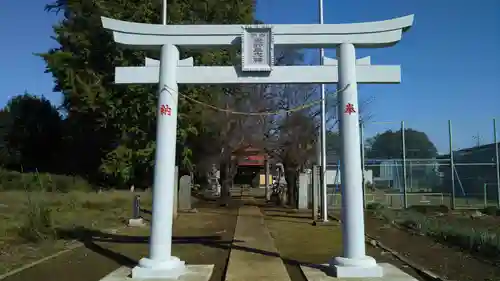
(227, 180)
(291, 180)
(224, 188)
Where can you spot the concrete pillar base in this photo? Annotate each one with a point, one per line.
(192, 273)
(323, 273)
(152, 269)
(355, 268)
(136, 222)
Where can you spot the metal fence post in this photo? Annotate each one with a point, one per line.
(497, 166)
(315, 191)
(452, 165)
(403, 156)
(485, 196)
(266, 182)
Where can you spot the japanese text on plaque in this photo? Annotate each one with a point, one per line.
(259, 40)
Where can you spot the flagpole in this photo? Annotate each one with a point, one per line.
(324, 203)
(164, 12)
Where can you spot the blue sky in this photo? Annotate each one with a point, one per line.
(450, 63)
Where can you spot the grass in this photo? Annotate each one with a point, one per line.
(32, 220)
(394, 199)
(300, 243)
(298, 240)
(34, 181)
(484, 241)
(196, 236)
(200, 238)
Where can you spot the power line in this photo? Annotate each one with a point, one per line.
(265, 113)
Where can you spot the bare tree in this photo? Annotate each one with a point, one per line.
(229, 129)
(282, 120)
(291, 136)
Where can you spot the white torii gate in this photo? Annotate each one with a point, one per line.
(257, 43)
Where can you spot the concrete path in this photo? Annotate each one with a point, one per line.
(254, 255)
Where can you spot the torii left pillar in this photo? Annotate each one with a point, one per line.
(161, 263)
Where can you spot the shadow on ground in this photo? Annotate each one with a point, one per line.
(104, 252)
(202, 238)
(91, 238)
(287, 216)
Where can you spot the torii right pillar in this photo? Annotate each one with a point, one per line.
(354, 262)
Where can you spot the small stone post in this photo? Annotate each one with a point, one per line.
(136, 220)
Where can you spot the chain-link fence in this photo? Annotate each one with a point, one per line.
(473, 173)
(402, 167)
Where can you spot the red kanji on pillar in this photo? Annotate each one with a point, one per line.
(165, 110)
(349, 109)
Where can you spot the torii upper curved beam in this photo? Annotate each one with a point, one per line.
(366, 34)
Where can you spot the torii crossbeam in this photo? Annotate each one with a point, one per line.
(189, 74)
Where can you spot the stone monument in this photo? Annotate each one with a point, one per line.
(185, 193)
(216, 187)
(175, 205)
(303, 190)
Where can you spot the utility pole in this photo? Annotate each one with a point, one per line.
(324, 193)
(164, 12)
(477, 139)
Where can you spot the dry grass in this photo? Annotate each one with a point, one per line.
(298, 240)
(199, 240)
(67, 211)
(197, 236)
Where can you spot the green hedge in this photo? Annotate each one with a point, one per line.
(12, 180)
